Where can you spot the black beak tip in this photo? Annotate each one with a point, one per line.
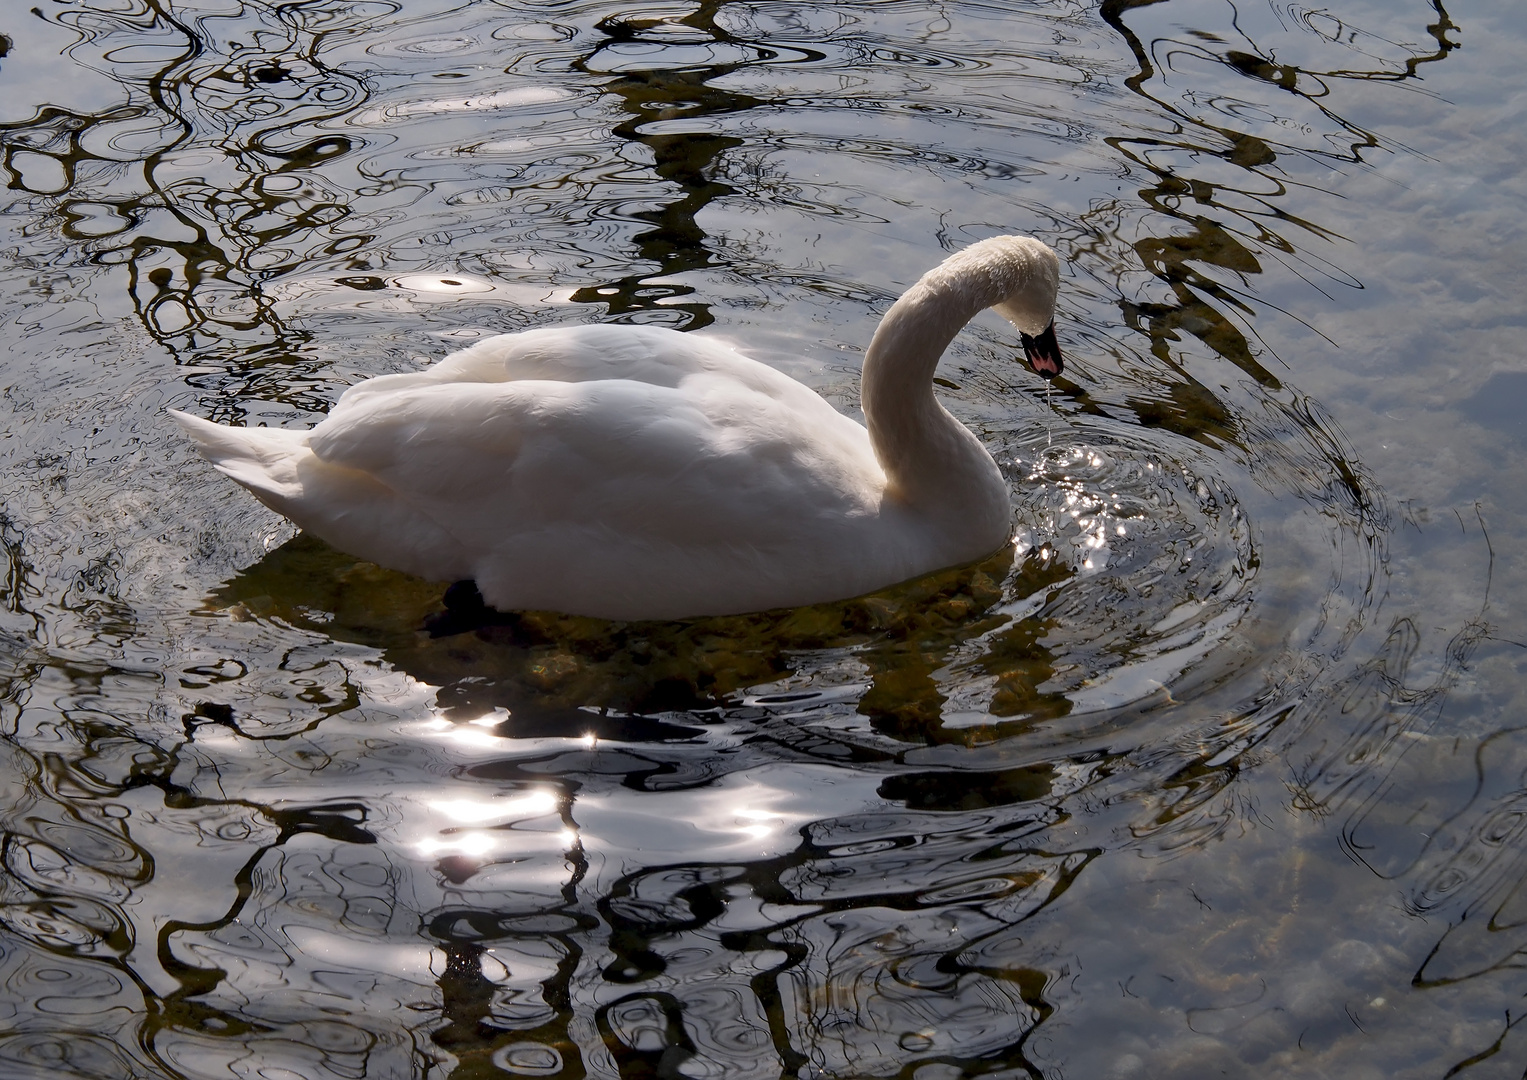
(1043, 353)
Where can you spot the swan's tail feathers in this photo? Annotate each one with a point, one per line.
(264, 460)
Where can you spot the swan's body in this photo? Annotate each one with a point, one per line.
(636, 472)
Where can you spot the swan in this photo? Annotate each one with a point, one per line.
(635, 472)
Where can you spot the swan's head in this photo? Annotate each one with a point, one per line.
(1019, 277)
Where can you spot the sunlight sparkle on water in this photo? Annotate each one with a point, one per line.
(466, 844)
(531, 804)
(469, 737)
(483, 810)
(761, 823)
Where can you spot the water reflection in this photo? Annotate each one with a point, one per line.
(1060, 811)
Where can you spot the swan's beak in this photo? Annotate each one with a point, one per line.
(1043, 352)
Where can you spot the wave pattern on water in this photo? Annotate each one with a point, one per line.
(254, 819)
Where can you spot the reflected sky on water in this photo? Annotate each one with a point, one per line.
(1215, 771)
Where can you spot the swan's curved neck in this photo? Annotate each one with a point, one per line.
(922, 449)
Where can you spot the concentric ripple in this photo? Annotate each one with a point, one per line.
(1072, 810)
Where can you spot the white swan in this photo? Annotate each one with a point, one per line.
(634, 472)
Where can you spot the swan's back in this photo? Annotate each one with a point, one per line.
(575, 354)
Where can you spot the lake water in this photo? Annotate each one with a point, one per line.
(1221, 770)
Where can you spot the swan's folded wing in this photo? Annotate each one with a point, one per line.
(716, 463)
(579, 354)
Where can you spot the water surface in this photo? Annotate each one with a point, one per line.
(1216, 772)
